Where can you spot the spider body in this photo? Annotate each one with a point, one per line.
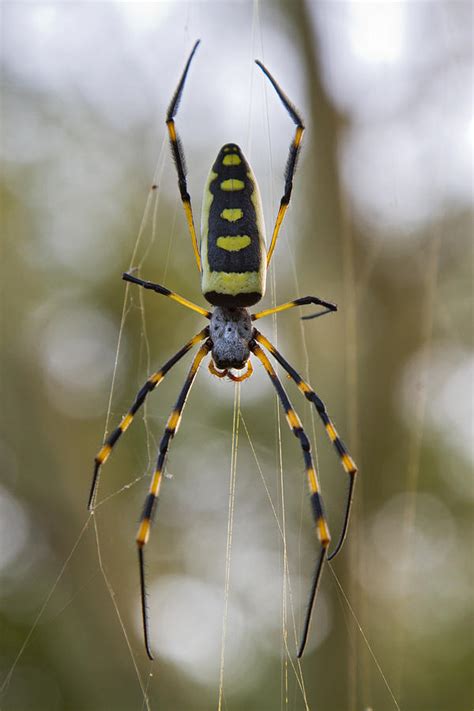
(233, 261)
(233, 252)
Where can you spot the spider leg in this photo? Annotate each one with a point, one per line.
(151, 500)
(346, 460)
(316, 498)
(302, 301)
(166, 292)
(178, 156)
(154, 380)
(292, 157)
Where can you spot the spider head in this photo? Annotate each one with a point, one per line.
(231, 331)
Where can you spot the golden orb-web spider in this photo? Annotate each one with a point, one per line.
(233, 261)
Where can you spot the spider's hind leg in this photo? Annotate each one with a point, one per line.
(292, 156)
(178, 156)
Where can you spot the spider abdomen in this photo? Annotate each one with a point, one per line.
(233, 252)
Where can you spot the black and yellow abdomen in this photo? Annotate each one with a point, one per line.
(233, 252)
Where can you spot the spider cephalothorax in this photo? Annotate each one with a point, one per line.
(230, 330)
(233, 259)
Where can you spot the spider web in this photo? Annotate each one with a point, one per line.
(354, 606)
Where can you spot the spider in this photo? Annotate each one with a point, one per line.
(233, 262)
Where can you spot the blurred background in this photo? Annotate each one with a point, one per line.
(380, 222)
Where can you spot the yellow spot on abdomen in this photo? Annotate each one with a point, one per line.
(233, 244)
(232, 214)
(232, 184)
(231, 159)
(233, 283)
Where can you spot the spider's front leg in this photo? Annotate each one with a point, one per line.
(346, 460)
(320, 521)
(150, 384)
(151, 500)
